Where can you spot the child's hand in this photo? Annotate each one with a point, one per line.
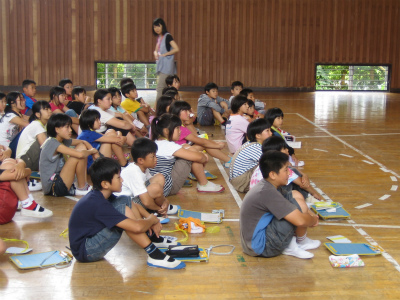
(117, 114)
(295, 160)
(156, 228)
(221, 145)
(315, 217)
(316, 195)
(96, 156)
(19, 170)
(305, 181)
(164, 208)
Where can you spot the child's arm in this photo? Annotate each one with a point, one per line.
(299, 219)
(119, 140)
(204, 142)
(19, 121)
(76, 153)
(15, 170)
(193, 156)
(5, 152)
(120, 124)
(139, 226)
(41, 137)
(144, 108)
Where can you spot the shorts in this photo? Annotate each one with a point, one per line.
(279, 233)
(31, 157)
(8, 202)
(123, 131)
(179, 174)
(102, 242)
(59, 189)
(207, 118)
(241, 183)
(137, 200)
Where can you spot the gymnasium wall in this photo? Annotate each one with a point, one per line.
(264, 43)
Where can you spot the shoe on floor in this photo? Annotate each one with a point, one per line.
(209, 176)
(38, 212)
(188, 183)
(309, 244)
(34, 185)
(210, 188)
(83, 191)
(165, 243)
(173, 209)
(165, 264)
(294, 250)
(227, 164)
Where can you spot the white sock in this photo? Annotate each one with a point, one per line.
(27, 202)
(299, 239)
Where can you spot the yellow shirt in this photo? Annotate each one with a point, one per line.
(131, 106)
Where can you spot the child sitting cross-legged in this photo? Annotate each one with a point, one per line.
(297, 180)
(58, 175)
(271, 224)
(140, 110)
(236, 126)
(175, 161)
(245, 160)
(107, 143)
(182, 110)
(145, 189)
(13, 187)
(99, 219)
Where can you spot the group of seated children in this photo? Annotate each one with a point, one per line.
(273, 212)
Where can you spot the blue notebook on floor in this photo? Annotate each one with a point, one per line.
(41, 260)
(353, 248)
(340, 213)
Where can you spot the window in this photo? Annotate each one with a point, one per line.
(110, 74)
(352, 78)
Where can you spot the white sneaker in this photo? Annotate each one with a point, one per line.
(294, 250)
(34, 185)
(165, 264)
(165, 243)
(210, 188)
(309, 244)
(38, 212)
(173, 209)
(84, 191)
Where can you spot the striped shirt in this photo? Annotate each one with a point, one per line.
(165, 162)
(248, 157)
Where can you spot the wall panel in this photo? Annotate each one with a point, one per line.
(264, 43)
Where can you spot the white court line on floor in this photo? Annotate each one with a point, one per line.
(231, 188)
(348, 145)
(340, 224)
(394, 188)
(370, 240)
(72, 198)
(384, 197)
(363, 205)
(385, 170)
(345, 155)
(368, 162)
(393, 178)
(316, 149)
(344, 135)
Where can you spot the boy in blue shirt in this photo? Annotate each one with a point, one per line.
(99, 218)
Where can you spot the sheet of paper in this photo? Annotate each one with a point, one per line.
(295, 145)
(17, 250)
(339, 239)
(207, 217)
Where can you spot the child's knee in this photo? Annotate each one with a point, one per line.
(300, 201)
(159, 178)
(111, 132)
(80, 146)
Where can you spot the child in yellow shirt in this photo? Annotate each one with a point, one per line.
(138, 110)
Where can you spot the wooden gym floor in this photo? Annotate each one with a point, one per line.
(350, 145)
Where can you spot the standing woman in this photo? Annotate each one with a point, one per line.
(164, 54)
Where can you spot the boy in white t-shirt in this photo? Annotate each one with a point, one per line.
(145, 189)
(236, 126)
